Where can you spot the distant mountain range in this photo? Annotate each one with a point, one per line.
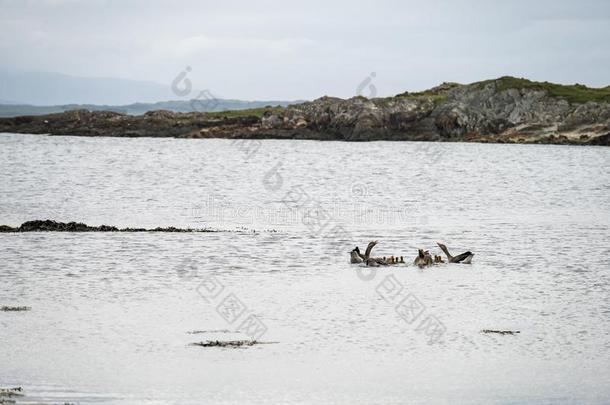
(37, 93)
(215, 105)
(47, 88)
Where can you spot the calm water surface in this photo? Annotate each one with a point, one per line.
(111, 313)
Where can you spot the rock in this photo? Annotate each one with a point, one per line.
(14, 309)
(53, 226)
(603, 140)
(501, 332)
(225, 343)
(10, 392)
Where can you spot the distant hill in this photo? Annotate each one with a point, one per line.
(38, 93)
(35, 93)
(203, 105)
(46, 88)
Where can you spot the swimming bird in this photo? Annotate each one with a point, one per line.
(373, 261)
(357, 257)
(428, 258)
(376, 261)
(465, 257)
(369, 248)
(423, 258)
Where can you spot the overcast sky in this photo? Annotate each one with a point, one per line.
(301, 50)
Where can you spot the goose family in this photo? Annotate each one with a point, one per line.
(423, 258)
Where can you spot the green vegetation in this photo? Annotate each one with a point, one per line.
(251, 112)
(576, 93)
(382, 101)
(431, 96)
(434, 98)
(435, 95)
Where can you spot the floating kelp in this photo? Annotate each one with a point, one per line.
(10, 393)
(7, 395)
(54, 226)
(501, 332)
(13, 309)
(197, 332)
(229, 343)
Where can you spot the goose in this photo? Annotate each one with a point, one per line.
(357, 257)
(354, 256)
(428, 258)
(370, 247)
(373, 261)
(465, 257)
(423, 258)
(376, 261)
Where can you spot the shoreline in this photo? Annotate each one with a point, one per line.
(603, 140)
(504, 110)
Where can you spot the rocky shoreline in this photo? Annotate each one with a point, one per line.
(53, 226)
(504, 110)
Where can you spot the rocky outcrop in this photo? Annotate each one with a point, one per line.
(6, 308)
(501, 332)
(7, 393)
(160, 123)
(229, 343)
(501, 110)
(53, 226)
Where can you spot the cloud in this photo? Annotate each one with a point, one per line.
(239, 45)
(294, 50)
